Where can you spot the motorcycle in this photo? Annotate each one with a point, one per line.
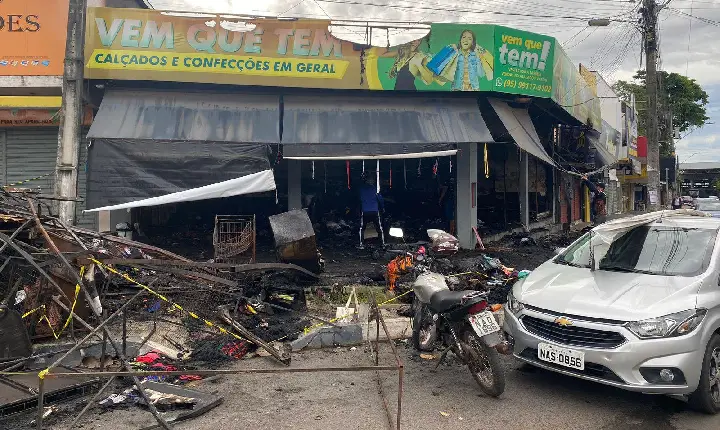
(463, 322)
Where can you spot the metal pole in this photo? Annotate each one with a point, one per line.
(70, 134)
(124, 332)
(41, 402)
(104, 344)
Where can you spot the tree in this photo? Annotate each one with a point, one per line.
(680, 95)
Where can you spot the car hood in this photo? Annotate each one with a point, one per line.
(608, 295)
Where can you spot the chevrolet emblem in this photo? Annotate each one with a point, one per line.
(563, 321)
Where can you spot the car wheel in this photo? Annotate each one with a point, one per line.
(707, 396)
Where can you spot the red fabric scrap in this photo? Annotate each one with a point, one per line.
(148, 358)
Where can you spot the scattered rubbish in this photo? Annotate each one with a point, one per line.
(346, 313)
(445, 414)
(427, 356)
(47, 411)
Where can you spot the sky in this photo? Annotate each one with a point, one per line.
(687, 45)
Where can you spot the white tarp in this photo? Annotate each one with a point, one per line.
(254, 183)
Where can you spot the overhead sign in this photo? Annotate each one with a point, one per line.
(137, 44)
(32, 37)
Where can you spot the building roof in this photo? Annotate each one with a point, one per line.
(709, 165)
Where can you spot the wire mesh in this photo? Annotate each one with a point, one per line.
(234, 238)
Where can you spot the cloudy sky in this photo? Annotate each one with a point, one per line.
(688, 45)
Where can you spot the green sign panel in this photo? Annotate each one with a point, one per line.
(471, 58)
(523, 62)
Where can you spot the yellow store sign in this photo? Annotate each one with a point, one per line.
(138, 44)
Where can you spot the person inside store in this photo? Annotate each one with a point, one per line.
(371, 207)
(598, 206)
(447, 203)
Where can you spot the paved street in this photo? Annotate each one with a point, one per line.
(534, 399)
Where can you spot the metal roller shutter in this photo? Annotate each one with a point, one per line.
(32, 152)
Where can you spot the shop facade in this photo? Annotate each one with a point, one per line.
(461, 98)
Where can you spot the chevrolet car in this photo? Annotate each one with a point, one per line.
(634, 303)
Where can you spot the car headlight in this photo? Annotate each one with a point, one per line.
(513, 304)
(677, 324)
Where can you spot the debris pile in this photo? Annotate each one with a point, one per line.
(59, 281)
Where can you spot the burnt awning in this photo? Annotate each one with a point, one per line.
(172, 115)
(379, 127)
(156, 147)
(519, 126)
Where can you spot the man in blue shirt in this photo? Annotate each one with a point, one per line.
(371, 207)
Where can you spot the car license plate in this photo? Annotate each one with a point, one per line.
(484, 323)
(562, 356)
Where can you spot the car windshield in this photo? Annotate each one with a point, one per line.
(577, 254)
(660, 250)
(708, 205)
(654, 250)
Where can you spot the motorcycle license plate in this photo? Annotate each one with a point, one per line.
(484, 323)
(562, 356)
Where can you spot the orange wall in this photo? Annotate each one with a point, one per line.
(32, 37)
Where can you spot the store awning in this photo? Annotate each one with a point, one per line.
(150, 148)
(380, 127)
(127, 173)
(520, 127)
(171, 115)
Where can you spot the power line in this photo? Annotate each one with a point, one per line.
(474, 11)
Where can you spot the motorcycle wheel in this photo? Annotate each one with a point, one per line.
(484, 365)
(424, 328)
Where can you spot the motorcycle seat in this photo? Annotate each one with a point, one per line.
(443, 301)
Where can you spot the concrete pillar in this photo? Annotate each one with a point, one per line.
(294, 185)
(523, 191)
(466, 194)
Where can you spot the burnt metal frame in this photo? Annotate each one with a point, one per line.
(374, 348)
(32, 215)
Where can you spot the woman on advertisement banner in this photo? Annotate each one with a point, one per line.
(464, 64)
(410, 64)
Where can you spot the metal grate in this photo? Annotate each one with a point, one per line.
(573, 335)
(234, 238)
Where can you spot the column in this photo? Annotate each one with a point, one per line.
(466, 194)
(294, 185)
(523, 191)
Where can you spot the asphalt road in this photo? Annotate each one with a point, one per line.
(446, 398)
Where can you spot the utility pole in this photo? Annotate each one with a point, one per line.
(649, 22)
(70, 134)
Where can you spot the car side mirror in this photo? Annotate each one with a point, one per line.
(559, 251)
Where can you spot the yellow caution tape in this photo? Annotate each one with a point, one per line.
(28, 180)
(165, 299)
(44, 317)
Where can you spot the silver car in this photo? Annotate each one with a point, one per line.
(638, 310)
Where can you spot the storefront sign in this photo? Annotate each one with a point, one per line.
(573, 92)
(139, 44)
(36, 117)
(32, 37)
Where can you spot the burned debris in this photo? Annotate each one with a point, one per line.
(128, 306)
